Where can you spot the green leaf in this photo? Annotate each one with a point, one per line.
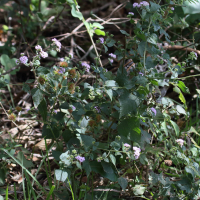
(127, 127)
(182, 86)
(122, 182)
(37, 97)
(76, 13)
(7, 62)
(2, 176)
(152, 39)
(110, 83)
(113, 159)
(180, 110)
(154, 7)
(176, 128)
(43, 109)
(124, 32)
(88, 141)
(127, 103)
(110, 93)
(182, 98)
(87, 167)
(141, 48)
(107, 167)
(26, 163)
(99, 32)
(61, 175)
(97, 25)
(97, 167)
(176, 89)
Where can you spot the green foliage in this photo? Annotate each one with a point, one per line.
(115, 125)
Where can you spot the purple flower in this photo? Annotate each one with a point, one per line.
(144, 3)
(98, 160)
(111, 60)
(23, 59)
(55, 111)
(195, 53)
(97, 109)
(57, 43)
(153, 110)
(38, 48)
(27, 109)
(101, 40)
(180, 142)
(44, 54)
(17, 62)
(61, 70)
(112, 55)
(136, 5)
(73, 107)
(79, 158)
(87, 67)
(62, 59)
(127, 145)
(141, 73)
(172, 8)
(136, 152)
(131, 13)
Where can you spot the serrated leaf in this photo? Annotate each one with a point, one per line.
(87, 167)
(109, 93)
(113, 159)
(152, 39)
(37, 97)
(176, 128)
(43, 109)
(110, 83)
(122, 182)
(61, 175)
(107, 167)
(127, 104)
(7, 62)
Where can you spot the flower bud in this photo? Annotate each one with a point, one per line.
(12, 117)
(63, 64)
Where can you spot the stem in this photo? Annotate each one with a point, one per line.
(83, 20)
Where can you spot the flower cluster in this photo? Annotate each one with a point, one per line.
(112, 55)
(180, 142)
(23, 59)
(87, 67)
(38, 48)
(44, 54)
(41, 52)
(57, 44)
(131, 13)
(136, 152)
(79, 158)
(143, 3)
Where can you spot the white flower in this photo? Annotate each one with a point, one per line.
(136, 152)
(180, 142)
(44, 54)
